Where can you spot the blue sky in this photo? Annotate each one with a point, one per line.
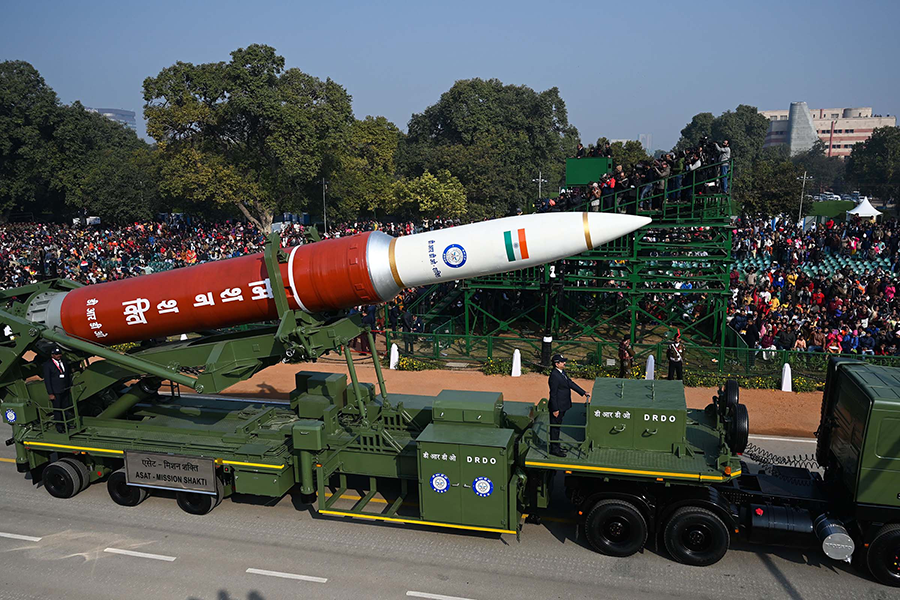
(623, 68)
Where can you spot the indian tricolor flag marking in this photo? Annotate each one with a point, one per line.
(516, 247)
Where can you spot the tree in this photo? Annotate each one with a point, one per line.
(246, 133)
(55, 158)
(363, 179)
(774, 186)
(700, 126)
(626, 154)
(429, 196)
(827, 172)
(874, 165)
(495, 138)
(744, 128)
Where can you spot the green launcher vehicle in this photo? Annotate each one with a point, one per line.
(640, 469)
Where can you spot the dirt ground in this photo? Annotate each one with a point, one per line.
(771, 412)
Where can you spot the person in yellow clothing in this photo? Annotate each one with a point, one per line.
(774, 303)
(792, 278)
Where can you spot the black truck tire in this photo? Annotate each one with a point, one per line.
(200, 504)
(696, 536)
(740, 429)
(61, 479)
(732, 395)
(616, 528)
(884, 555)
(122, 493)
(83, 472)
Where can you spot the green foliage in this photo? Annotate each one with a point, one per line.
(495, 138)
(246, 133)
(773, 187)
(745, 129)
(363, 179)
(751, 382)
(407, 363)
(626, 154)
(827, 172)
(874, 165)
(429, 195)
(54, 158)
(496, 366)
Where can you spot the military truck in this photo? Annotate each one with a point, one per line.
(641, 468)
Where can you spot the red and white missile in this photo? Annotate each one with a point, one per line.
(330, 275)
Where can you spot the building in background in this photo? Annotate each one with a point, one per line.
(839, 128)
(125, 117)
(646, 140)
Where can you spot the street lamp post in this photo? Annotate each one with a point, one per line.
(540, 180)
(802, 194)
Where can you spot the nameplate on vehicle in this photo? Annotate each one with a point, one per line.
(170, 471)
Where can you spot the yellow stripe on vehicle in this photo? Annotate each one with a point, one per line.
(413, 521)
(12, 460)
(81, 448)
(246, 464)
(529, 463)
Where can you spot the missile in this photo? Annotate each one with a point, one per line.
(325, 276)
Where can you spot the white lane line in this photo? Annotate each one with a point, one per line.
(434, 596)
(775, 438)
(287, 575)
(24, 538)
(141, 554)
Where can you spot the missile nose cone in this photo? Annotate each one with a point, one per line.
(605, 227)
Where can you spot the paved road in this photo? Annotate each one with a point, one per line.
(73, 549)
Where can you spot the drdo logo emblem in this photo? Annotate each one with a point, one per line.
(483, 486)
(10, 415)
(454, 256)
(440, 483)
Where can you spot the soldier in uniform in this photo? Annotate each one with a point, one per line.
(560, 400)
(58, 381)
(675, 354)
(626, 358)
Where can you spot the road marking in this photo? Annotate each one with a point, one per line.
(287, 575)
(141, 554)
(434, 596)
(24, 538)
(777, 438)
(12, 460)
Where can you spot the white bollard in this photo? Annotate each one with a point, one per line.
(651, 368)
(786, 384)
(517, 363)
(395, 356)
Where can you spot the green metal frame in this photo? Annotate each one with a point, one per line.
(607, 293)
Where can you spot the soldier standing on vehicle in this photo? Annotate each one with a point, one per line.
(676, 358)
(58, 381)
(561, 387)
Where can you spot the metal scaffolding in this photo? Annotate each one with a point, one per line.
(671, 275)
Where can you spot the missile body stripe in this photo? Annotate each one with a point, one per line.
(587, 232)
(392, 258)
(523, 247)
(291, 279)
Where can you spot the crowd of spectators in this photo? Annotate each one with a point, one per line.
(777, 301)
(786, 305)
(673, 177)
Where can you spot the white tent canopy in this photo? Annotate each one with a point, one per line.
(865, 210)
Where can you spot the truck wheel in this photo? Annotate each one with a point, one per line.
(83, 472)
(200, 504)
(740, 429)
(884, 556)
(695, 536)
(616, 528)
(122, 493)
(61, 479)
